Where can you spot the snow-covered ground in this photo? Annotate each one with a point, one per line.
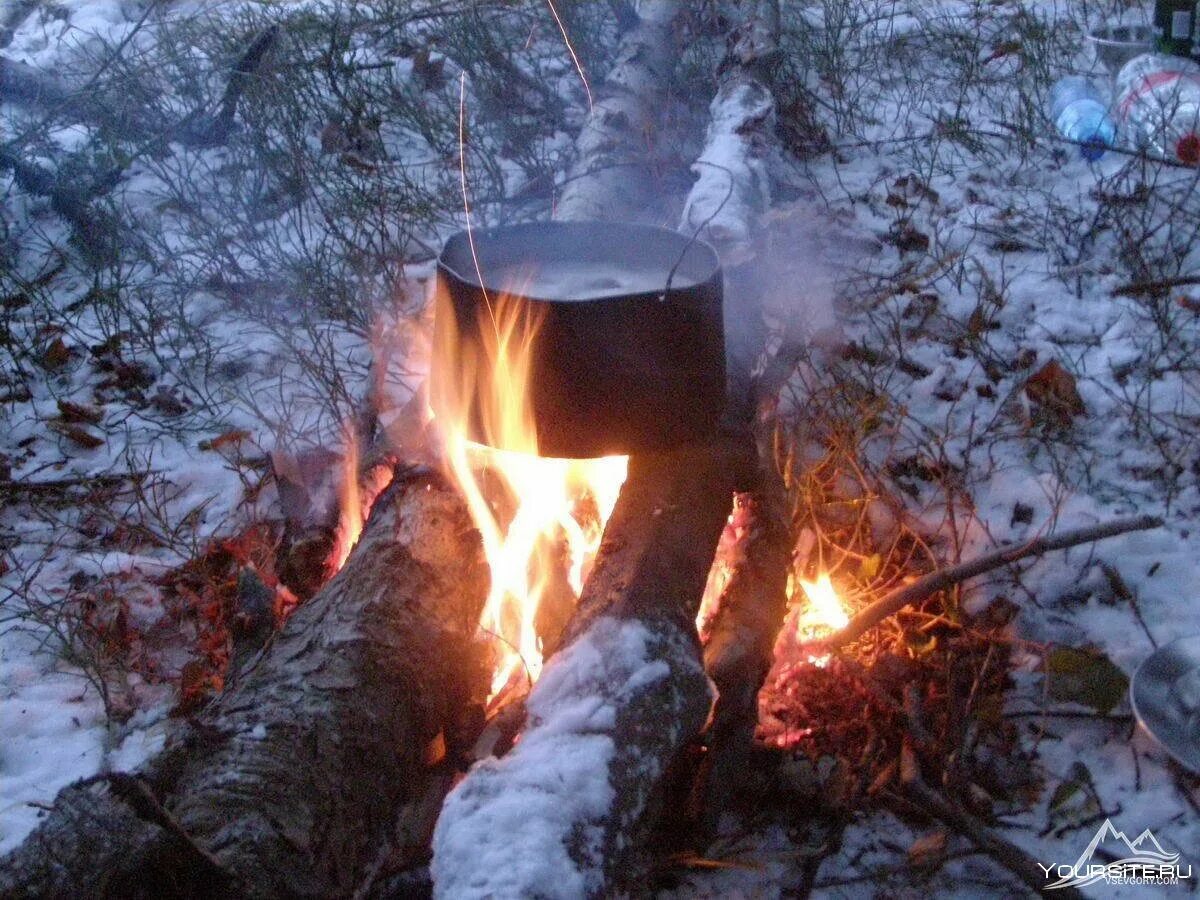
(966, 243)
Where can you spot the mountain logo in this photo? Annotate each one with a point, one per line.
(1142, 860)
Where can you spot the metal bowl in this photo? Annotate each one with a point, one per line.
(1118, 44)
(627, 369)
(1165, 694)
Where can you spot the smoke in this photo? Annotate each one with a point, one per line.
(786, 289)
(799, 271)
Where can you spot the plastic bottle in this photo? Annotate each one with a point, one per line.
(1080, 114)
(1158, 103)
(1174, 26)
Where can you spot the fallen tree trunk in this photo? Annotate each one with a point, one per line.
(289, 783)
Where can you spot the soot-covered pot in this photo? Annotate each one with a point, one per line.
(604, 338)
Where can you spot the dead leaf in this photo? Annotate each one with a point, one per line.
(1053, 389)
(1085, 676)
(165, 401)
(80, 413)
(907, 238)
(1003, 49)
(928, 849)
(56, 355)
(228, 438)
(428, 68)
(77, 435)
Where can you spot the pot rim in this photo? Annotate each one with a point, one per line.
(699, 254)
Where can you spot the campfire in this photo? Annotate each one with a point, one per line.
(554, 562)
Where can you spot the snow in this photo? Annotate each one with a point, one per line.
(527, 825)
(54, 733)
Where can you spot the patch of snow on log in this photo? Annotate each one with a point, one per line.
(732, 186)
(538, 822)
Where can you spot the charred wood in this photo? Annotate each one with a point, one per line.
(626, 692)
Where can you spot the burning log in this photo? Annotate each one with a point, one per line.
(562, 814)
(289, 784)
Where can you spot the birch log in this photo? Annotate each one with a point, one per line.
(726, 204)
(611, 177)
(288, 785)
(563, 814)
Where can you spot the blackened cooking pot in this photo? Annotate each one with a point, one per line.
(623, 329)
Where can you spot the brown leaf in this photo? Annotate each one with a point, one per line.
(165, 401)
(428, 69)
(79, 413)
(928, 849)
(1053, 389)
(56, 355)
(1003, 49)
(228, 438)
(77, 435)
(196, 685)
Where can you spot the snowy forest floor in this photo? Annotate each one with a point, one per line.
(994, 355)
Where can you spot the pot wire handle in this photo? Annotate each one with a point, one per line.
(696, 234)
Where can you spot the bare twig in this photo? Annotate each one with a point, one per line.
(1001, 850)
(943, 578)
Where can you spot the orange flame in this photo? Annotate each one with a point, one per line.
(350, 511)
(822, 614)
(541, 518)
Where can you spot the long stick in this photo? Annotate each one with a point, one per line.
(998, 848)
(943, 578)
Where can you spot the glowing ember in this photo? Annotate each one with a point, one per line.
(541, 518)
(822, 615)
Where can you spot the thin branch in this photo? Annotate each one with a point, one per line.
(944, 578)
(247, 67)
(998, 848)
